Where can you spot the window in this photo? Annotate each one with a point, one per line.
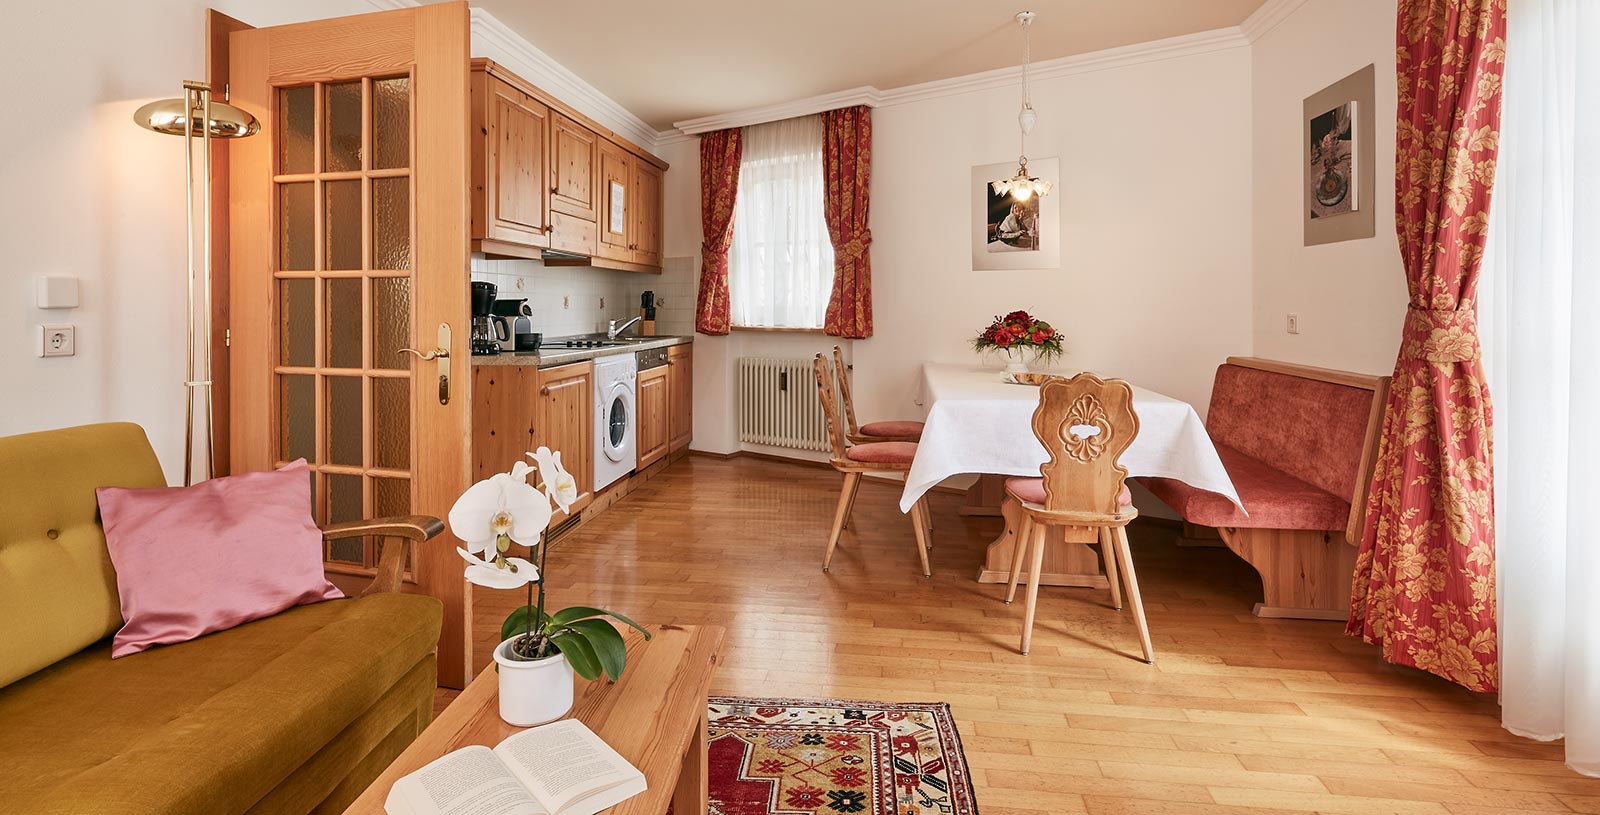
(780, 267)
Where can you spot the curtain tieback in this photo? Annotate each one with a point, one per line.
(856, 247)
(1440, 335)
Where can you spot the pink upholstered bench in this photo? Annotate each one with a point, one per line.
(1298, 444)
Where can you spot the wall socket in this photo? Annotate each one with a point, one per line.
(1293, 324)
(56, 341)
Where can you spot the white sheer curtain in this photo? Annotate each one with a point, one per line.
(780, 268)
(1539, 309)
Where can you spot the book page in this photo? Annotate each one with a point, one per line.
(565, 762)
(469, 781)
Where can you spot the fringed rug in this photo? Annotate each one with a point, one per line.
(794, 756)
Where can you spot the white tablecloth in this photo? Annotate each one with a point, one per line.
(978, 424)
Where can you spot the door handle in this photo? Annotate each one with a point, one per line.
(441, 356)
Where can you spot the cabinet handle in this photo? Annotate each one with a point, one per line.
(545, 391)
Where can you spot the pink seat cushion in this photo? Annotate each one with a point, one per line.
(194, 560)
(1275, 499)
(1314, 431)
(1032, 491)
(897, 429)
(883, 452)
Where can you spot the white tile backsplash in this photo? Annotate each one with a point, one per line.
(568, 299)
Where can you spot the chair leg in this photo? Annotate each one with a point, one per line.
(1125, 561)
(927, 521)
(1108, 554)
(852, 487)
(851, 480)
(1034, 568)
(920, 527)
(1019, 550)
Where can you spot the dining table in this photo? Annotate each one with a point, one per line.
(980, 424)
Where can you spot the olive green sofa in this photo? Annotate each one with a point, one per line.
(296, 713)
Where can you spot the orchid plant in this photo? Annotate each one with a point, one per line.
(504, 509)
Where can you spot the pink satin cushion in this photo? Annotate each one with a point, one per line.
(893, 429)
(883, 452)
(1032, 491)
(200, 559)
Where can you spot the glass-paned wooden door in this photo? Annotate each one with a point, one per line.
(342, 193)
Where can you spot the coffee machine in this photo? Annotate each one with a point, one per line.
(484, 336)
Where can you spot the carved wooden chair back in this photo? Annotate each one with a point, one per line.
(1085, 423)
(830, 406)
(848, 402)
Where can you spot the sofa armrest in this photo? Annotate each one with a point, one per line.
(396, 535)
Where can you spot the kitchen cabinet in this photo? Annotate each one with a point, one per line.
(654, 399)
(551, 184)
(564, 422)
(680, 387)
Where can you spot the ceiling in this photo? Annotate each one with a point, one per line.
(671, 60)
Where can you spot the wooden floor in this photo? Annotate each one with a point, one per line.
(1239, 715)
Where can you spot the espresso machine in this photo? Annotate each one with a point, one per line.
(485, 339)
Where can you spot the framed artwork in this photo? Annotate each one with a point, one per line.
(1337, 154)
(1009, 233)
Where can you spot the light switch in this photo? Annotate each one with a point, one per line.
(56, 341)
(56, 291)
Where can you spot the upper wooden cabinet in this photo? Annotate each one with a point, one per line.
(547, 178)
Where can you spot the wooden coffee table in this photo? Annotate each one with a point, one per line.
(655, 716)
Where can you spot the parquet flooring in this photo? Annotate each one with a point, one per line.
(1238, 715)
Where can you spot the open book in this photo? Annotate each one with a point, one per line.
(557, 769)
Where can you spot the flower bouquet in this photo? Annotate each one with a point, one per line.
(539, 651)
(1018, 334)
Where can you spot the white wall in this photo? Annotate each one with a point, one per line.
(1350, 296)
(1155, 281)
(88, 193)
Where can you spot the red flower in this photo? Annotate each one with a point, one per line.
(849, 776)
(1019, 317)
(805, 796)
(843, 742)
(1004, 341)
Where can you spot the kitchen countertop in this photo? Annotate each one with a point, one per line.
(550, 356)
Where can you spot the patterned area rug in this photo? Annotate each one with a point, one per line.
(808, 757)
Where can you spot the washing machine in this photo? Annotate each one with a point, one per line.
(615, 453)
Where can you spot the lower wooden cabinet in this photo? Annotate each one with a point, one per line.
(565, 423)
(654, 401)
(680, 385)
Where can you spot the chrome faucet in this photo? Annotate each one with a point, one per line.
(613, 330)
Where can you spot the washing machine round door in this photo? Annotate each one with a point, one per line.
(618, 430)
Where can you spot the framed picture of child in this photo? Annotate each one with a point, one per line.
(1010, 232)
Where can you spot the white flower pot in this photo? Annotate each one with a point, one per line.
(1016, 360)
(533, 692)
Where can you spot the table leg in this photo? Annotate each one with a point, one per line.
(691, 796)
(1065, 563)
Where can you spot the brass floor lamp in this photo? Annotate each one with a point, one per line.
(197, 115)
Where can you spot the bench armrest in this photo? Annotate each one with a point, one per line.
(397, 535)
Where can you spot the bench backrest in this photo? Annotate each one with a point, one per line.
(1316, 424)
(58, 592)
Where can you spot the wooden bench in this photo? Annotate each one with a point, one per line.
(1299, 444)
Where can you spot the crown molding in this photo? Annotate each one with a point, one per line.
(864, 95)
(1268, 17)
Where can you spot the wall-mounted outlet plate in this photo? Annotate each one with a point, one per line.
(1293, 324)
(57, 341)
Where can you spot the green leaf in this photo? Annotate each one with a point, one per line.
(517, 622)
(579, 652)
(568, 615)
(607, 645)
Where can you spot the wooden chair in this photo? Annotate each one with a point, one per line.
(855, 460)
(871, 431)
(1085, 423)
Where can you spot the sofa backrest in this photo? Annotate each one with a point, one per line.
(58, 592)
(1311, 423)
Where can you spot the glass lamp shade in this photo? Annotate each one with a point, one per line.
(167, 116)
(1022, 185)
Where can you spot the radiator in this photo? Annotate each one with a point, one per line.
(778, 404)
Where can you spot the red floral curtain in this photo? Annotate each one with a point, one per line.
(1424, 580)
(847, 169)
(720, 152)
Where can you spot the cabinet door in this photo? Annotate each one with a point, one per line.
(646, 189)
(566, 424)
(680, 381)
(616, 205)
(574, 152)
(654, 406)
(516, 148)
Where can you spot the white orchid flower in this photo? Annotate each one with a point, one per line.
(558, 483)
(500, 505)
(517, 572)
